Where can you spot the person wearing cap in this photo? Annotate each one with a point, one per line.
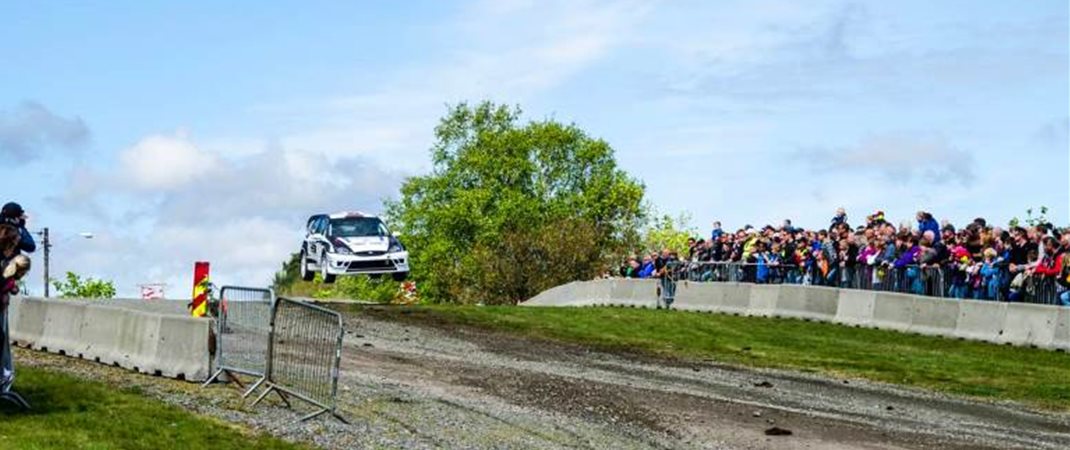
(12, 213)
(14, 266)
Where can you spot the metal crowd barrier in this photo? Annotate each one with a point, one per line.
(933, 281)
(243, 326)
(305, 351)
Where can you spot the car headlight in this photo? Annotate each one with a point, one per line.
(342, 250)
(395, 247)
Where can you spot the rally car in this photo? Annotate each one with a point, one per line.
(351, 243)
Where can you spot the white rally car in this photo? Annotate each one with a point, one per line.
(351, 244)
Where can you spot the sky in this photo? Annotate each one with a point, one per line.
(185, 131)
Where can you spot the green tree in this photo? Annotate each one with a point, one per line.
(511, 208)
(288, 282)
(1030, 219)
(667, 233)
(78, 287)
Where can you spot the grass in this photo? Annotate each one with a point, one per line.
(71, 413)
(1036, 377)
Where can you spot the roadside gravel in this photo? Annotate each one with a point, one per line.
(415, 385)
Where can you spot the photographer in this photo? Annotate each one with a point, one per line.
(14, 239)
(12, 213)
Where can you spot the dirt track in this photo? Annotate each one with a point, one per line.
(411, 384)
(469, 388)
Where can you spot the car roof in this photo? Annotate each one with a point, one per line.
(349, 214)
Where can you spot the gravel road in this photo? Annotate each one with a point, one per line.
(416, 385)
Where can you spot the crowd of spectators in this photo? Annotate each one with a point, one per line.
(978, 260)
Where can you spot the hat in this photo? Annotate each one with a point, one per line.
(12, 210)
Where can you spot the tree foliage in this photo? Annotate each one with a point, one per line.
(1030, 219)
(665, 232)
(512, 208)
(288, 282)
(77, 287)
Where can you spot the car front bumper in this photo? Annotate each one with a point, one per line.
(339, 264)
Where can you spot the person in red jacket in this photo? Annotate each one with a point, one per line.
(1051, 265)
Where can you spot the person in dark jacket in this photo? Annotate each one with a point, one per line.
(12, 213)
(12, 263)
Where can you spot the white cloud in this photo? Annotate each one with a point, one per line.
(508, 52)
(181, 203)
(163, 163)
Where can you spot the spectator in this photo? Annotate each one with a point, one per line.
(839, 218)
(717, 232)
(1063, 278)
(13, 214)
(975, 261)
(646, 270)
(926, 222)
(991, 274)
(13, 267)
(663, 267)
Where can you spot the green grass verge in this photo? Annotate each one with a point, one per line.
(71, 413)
(1037, 377)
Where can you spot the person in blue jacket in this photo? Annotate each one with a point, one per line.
(647, 270)
(926, 222)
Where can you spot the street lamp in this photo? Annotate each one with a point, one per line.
(46, 244)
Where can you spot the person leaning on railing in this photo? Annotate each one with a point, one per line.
(1050, 267)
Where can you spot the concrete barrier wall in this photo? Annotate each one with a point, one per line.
(171, 345)
(892, 311)
(1040, 326)
(1061, 338)
(855, 307)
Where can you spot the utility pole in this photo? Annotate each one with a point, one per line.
(47, 245)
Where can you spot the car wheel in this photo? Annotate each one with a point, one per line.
(400, 276)
(306, 274)
(327, 278)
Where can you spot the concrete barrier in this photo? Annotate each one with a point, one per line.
(981, 321)
(555, 296)
(63, 328)
(855, 307)
(735, 297)
(1042, 326)
(1061, 340)
(166, 344)
(763, 300)
(102, 329)
(26, 318)
(1029, 325)
(893, 311)
(806, 302)
(934, 316)
(174, 356)
(634, 293)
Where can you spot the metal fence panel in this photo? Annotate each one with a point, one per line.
(243, 327)
(306, 351)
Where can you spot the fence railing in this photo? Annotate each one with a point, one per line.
(929, 280)
(305, 350)
(243, 327)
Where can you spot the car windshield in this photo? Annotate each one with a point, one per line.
(357, 227)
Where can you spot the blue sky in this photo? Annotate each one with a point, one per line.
(192, 130)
